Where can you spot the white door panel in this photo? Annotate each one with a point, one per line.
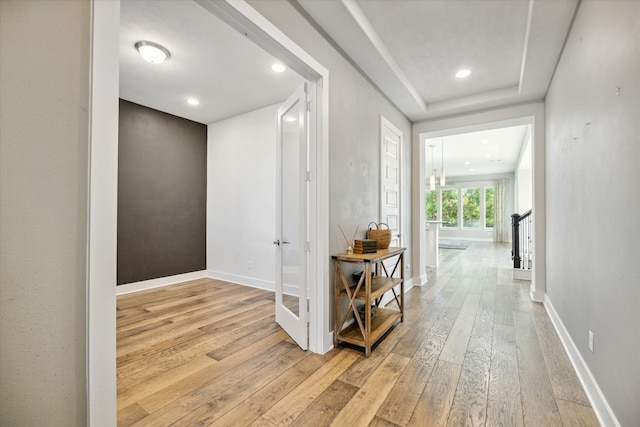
(391, 180)
(291, 259)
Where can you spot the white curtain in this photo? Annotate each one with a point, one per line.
(502, 223)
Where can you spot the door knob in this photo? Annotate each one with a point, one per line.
(277, 242)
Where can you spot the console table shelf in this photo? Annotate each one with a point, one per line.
(369, 289)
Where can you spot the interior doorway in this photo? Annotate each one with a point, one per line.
(477, 158)
(103, 189)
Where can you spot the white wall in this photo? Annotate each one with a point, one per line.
(44, 140)
(241, 198)
(593, 232)
(524, 177)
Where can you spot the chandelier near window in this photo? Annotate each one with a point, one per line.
(432, 178)
(442, 178)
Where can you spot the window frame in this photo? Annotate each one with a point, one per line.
(460, 187)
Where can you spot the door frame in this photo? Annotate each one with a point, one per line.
(102, 205)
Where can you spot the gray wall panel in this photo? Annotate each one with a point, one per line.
(162, 184)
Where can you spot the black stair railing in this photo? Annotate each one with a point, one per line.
(521, 240)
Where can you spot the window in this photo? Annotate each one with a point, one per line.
(489, 207)
(471, 208)
(450, 208)
(431, 211)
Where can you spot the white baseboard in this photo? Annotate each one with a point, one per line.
(328, 343)
(599, 403)
(408, 284)
(520, 274)
(159, 282)
(242, 280)
(423, 279)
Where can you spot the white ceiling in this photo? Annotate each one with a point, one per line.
(209, 60)
(409, 49)
(484, 152)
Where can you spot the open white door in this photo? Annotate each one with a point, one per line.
(291, 216)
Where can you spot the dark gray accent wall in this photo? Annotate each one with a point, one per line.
(162, 194)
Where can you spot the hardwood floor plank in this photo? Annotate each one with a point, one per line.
(403, 397)
(189, 383)
(413, 338)
(292, 405)
(365, 403)
(504, 406)
(327, 406)
(254, 406)
(130, 415)
(458, 340)
(504, 305)
(187, 403)
(170, 331)
(245, 341)
(565, 382)
(126, 354)
(470, 400)
(363, 367)
(381, 422)
(146, 367)
(137, 392)
(215, 407)
(539, 405)
(437, 397)
(576, 415)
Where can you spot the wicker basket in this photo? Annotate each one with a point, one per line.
(382, 236)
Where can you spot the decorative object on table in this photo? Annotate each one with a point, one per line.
(361, 312)
(365, 246)
(349, 242)
(357, 275)
(382, 236)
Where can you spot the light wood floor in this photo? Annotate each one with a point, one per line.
(473, 350)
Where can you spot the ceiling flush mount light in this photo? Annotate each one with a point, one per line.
(193, 101)
(152, 52)
(278, 68)
(461, 74)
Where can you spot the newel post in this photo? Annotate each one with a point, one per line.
(515, 238)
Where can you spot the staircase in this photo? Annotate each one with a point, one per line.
(522, 245)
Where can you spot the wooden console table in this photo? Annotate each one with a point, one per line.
(369, 289)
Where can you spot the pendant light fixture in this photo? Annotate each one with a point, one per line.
(442, 178)
(432, 178)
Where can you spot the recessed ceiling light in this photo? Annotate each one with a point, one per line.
(193, 101)
(152, 52)
(278, 68)
(487, 155)
(484, 141)
(461, 74)
(467, 162)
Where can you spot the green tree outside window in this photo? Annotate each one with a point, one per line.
(450, 208)
(471, 207)
(431, 210)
